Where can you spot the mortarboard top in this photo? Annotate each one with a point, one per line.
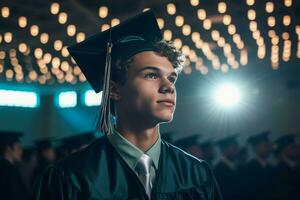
(188, 141)
(130, 37)
(78, 140)
(227, 141)
(9, 137)
(283, 141)
(259, 138)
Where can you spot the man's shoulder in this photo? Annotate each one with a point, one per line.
(6, 168)
(4, 162)
(179, 163)
(85, 157)
(180, 156)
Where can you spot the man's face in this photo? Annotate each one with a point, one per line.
(149, 91)
(16, 151)
(291, 151)
(232, 151)
(264, 149)
(49, 154)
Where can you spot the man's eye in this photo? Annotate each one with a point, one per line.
(172, 79)
(151, 76)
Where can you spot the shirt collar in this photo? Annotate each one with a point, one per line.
(229, 163)
(262, 162)
(154, 151)
(289, 162)
(130, 153)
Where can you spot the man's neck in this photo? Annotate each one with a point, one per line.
(142, 138)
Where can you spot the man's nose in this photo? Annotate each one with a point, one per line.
(167, 86)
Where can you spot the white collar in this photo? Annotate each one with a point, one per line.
(229, 163)
(289, 162)
(262, 162)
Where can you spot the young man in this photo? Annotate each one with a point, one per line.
(131, 161)
(258, 171)
(11, 184)
(226, 169)
(287, 171)
(46, 155)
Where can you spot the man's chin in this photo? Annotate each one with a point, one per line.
(166, 119)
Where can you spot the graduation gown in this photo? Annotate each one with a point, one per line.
(288, 181)
(98, 172)
(11, 184)
(39, 169)
(259, 181)
(228, 178)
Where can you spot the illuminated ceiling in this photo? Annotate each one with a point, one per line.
(215, 35)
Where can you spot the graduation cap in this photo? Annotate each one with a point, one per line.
(186, 142)
(9, 137)
(283, 141)
(227, 141)
(45, 143)
(95, 54)
(259, 138)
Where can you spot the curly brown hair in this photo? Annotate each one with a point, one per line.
(164, 48)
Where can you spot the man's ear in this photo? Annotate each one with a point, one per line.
(114, 91)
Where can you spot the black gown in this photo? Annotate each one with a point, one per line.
(98, 172)
(288, 181)
(259, 180)
(229, 181)
(11, 184)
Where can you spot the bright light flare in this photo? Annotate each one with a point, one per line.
(18, 98)
(67, 99)
(91, 98)
(227, 95)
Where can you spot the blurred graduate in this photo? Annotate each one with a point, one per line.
(287, 170)
(259, 172)
(11, 183)
(46, 155)
(227, 168)
(137, 72)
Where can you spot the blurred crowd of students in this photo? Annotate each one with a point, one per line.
(21, 166)
(272, 172)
